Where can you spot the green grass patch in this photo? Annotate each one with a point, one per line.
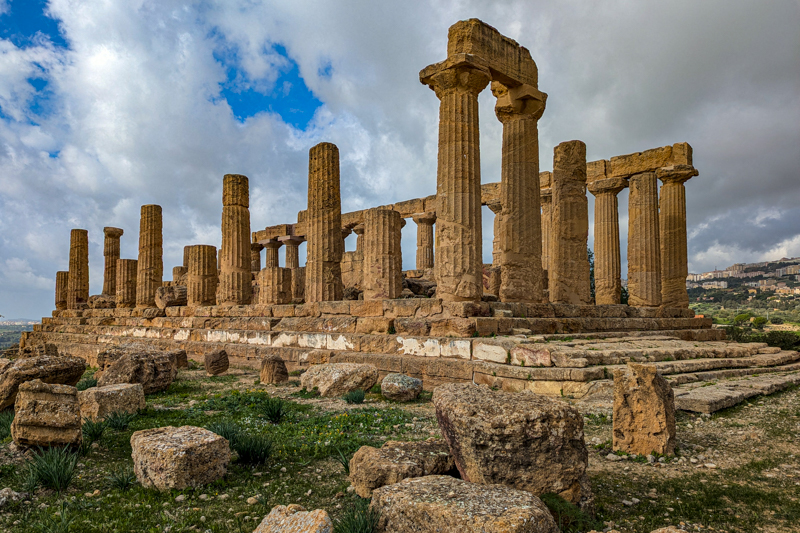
(6, 418)
(52, 468)
(354, 397)
(357, 517)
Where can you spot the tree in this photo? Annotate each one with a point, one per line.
(776, 320)
(759, 322)
(738, 320)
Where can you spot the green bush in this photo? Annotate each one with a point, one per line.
(759, 322)
(358, 517)
(275, 410)
(737, 334)
(53, 468)
(122, 478)
(354, 396)
(226, 430)
(740, 319)
(343, 457)
(92, 431)
(86, 383)
(253, 449)
(785, 340)
(119, 420)
(776, 320)
(6, 417)
(569, 518)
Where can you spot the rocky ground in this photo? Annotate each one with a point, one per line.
(735, 471)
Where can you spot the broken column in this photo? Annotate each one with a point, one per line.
(607, 269)
(255, 256)
(62, 280)
(519, 108)
(569, 263)
(201, 280)
(324, 226)
(424, 222)
(644, 248)
(273, 259)
(275, 285)
(383, 260)
(235, 286)
(458, 263)
(150, 271)
(111, 254)
(127, 272)
(644, 411)
(672, 222)
(78, 279)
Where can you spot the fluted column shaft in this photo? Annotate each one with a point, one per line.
(127, 272)
(78, 279)
(424, 239)
(273, 259)
(255, 256)
(547, 213)
(111, 254)
(62, 280)
(202, 277)
(150, 271)
(293, 253)
(359, 231)
(644, 242)
(458, 255)
(383, 260)
(324, 226)
(496, 229)
(672, 221)
(607, 268)
(275, 286)
(569, 264)
(235, 286)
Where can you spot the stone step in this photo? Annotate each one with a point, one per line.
(712, 398)
(697, 367)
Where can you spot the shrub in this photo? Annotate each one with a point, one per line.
(53, 468)
(776, 320)
(92, 431)
(122, 478)
(6, 417)
(737, 334)
(759, 322)
(343, 457)
(785, 340)
(253, 449)
(358, 517)
(275, 410)
(119, 420)
(569, 518)
(354, 396)
(86, 383)
(226, 430)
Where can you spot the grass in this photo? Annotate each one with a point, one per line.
(119, 420)
(92, 431)
(121, 478)
(6, 417)
(344, 459)
(253, 449)
(354, 397)
(357, 517)
(568, 517)
(52, 468)
(275, 410)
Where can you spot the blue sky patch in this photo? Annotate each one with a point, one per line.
(25, 20)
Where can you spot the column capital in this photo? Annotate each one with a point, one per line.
(346, 231)
(273, 244)
(424, 218)
(358, 229)
(496, 207)
(676, 173)
(295, 240)
(113, 232)
(522, 101)
(256, 247)
(607, 185)
(460, 72)
(546, 195)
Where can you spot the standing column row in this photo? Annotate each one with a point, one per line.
(644, 249)
(672, 222)
(78, 278)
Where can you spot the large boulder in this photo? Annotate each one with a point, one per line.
(155, 371)
(273, 370)
(520, 439)
(337, 379)
(371, 468)
(216, 362)
(443, 504)
(99, 402)
(176, 458)
(107, 356)
(47, 368)
(295, 519)
(401, 388)
(644, 411)
(46, 415)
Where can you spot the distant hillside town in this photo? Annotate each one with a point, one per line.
(781, 278)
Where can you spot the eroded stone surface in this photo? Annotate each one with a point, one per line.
(97, 403)
(337, 379)
(46, 415)
(155, 371)
(401, 388)
(216, 362)
(644, 411)
(48, 369)
(295, 519)
(273, 370)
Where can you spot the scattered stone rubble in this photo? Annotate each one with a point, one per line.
(155, 371)
(401, 388)
(46, 415)
(48, 369)
(337, 379)
(96, 403)
(273, 370)
(216, 362)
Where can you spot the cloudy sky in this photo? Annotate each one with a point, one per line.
(108, 105)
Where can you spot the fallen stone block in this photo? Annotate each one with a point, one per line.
(216, 362)
(371, 468)
(155, 371)
(273, 370)
(48, 369)
(443, 504)
(173, 296)
(46, 415)
(644, 411)
(177, 458)
(401, 388)
(337, 379)
(295, 519)
(98, 402)
(106, 357)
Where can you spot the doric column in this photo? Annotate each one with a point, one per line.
(324, 226)
(150, 271)
(186, 257)
(569, 263)
(273, 259)
(78, 280)
(607, 269)
(275, 285)
(672, 220)
(178, 274)
(383, 260)
(519, 109)
(235, 286)
(62, 280)
(292, 251)
(255, 256)
(201, 281)
(496, 229)
(546, 199)
(359, 231)
(458, 263)
(644, 248)
(424, 223)
(111, 254)
(127, 272)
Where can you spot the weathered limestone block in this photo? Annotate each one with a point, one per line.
(299, 284)
(78, 279)
(625, 166)
(176, 458)
(111, 255)
(644, 248)
(383, 259)
(569, 264)
(216, 362)
(672, 223)
(96, 403)
(523, 440)
(324, 226)
(371, 468)
(126, 283)
(295, 519)
(401, 388)
(109, 355)
(150, 268)
(273, 370)
(644, 411)
(174, 296)
(234, 278)
(443, 504)
(48, 369)
(36, 350)
(46, 415)
(337, 379)
(275, 286)
(62, 280)
(202, 276)
(102, 301)
(155, 371)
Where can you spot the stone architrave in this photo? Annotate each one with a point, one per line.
(78, 279)
(150, 269)
(546, 199)
(672, 222)
(273, 258)
(519, 108)
(497, 209)
(458, 263)
(275, 286)
(607, 266)
(324, 226)
(62, 370)
(62, 280)
(111, 254)
(201, 279)
(644, 242)
(383, 260)
(235, 287)
(127, 272)
(644, 411)
(424, 222)
(255, 256)
(569, 263)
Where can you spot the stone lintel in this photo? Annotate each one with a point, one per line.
(606, 185)
(651, 160)
(546, 193)
(292, 239)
